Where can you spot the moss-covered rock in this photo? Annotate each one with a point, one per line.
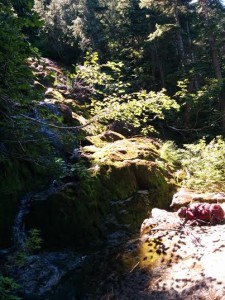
(114, 191)
(16, 179)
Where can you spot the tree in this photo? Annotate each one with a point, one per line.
(172, 10)
(212, 17)
(112, 101)
(206, 12)
(17, 20)
(70, 27)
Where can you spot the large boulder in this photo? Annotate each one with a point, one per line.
(114, 187)
(184, 260)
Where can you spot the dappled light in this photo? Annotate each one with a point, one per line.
(112, 150)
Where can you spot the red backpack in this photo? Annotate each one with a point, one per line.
(202, 213)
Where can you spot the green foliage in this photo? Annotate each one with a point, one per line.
(90, 73)
(65, 27)
(169, 153)
(8, 289)
(20, 258)
(15, 76)
(209, 91)
(32, 245)
(204, 162)
(161, 31)
(200, 110)
(34, 241)
(23, 143)
(178, 32)
(80, 171)
(13, 50)
(111, 100)
(136, 109)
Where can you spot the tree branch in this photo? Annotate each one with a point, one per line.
(76, 128)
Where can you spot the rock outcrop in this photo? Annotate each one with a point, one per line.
(113, 188)
(171, 260)
(184, 197)
(109, 186)
(186, 260)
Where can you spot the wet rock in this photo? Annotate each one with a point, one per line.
(41, 273)
(75, 155)
(49, 106)
(16, 179)
(18, 230)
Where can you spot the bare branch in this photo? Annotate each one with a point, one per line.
(61, 127)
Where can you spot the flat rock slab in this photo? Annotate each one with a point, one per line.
(172, 261)
(169, 261)
(186, 261)
(184, 197)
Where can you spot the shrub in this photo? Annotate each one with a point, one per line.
(203, 162)
(8, 289)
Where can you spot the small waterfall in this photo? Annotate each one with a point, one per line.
(18, 231)
(19, 235)
(42, 273)
(50, 106)
(52, 136)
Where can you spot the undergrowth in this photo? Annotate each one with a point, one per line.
(199, 166)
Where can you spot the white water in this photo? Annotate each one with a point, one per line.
(18, 230)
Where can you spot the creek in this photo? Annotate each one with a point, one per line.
(36, 273)
(19, 235)
(51, 135)
(86, 221)
(71, 274)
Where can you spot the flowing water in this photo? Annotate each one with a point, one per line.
(38, 274)
(54, 275)
(50, 134)
(19, 235)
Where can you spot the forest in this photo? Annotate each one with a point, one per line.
(142, 69)
(174, 47)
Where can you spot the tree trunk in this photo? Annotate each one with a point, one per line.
(192, 58)
(211, 40)
(215, 58)
(179, 37)
(160, 66)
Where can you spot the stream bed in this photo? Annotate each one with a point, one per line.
(72, 274)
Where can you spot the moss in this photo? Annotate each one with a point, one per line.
(11, 187)
(116, 184)
(54, 94)
(109, 153)
(16, 179)
(119, 179)
(72, 216)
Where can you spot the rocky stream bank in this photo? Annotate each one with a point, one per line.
(89, 213)
(167, 259)
(86, 220)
